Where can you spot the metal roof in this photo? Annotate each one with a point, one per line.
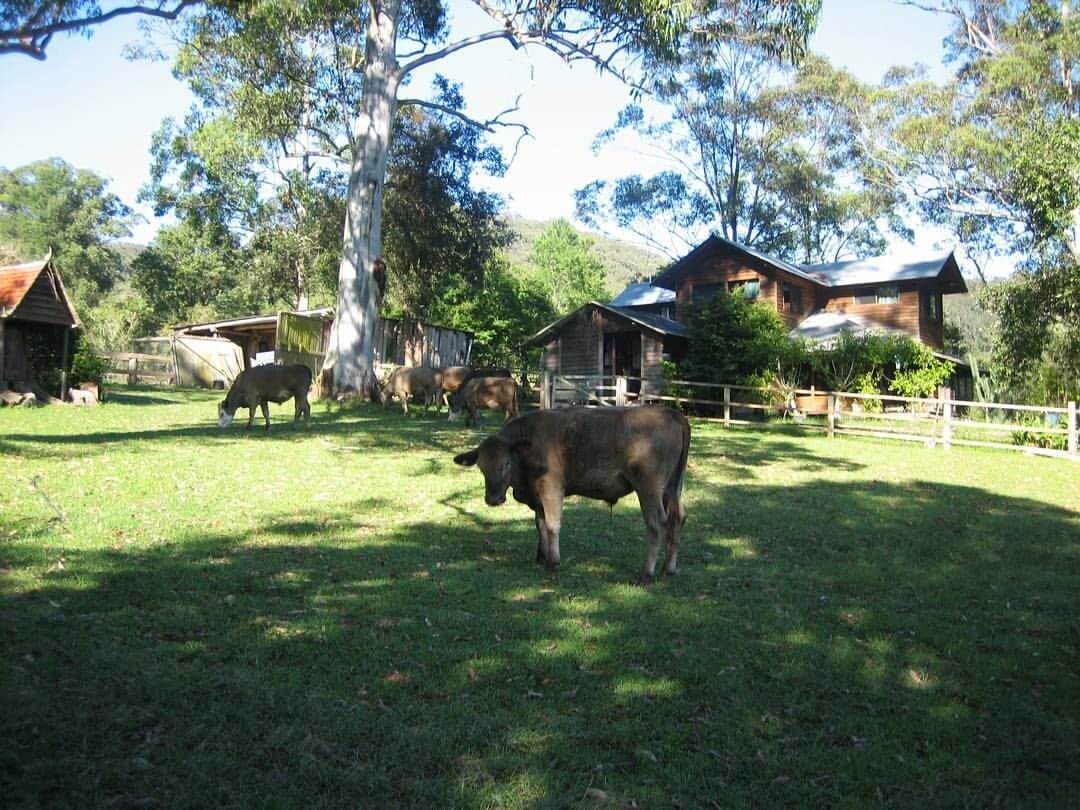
(823, 327)
(249, 320)
(642, 295)
(878, 269)
(654, 323)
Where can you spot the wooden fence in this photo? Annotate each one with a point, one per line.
(134, 368)
(935, 421)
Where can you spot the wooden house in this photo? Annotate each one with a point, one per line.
(817, 301)
(36, 321)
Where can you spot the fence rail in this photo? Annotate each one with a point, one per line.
(934, 421)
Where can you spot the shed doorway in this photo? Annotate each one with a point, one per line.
(622, 358)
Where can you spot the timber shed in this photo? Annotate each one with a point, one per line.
(602, 341)
(36, 321)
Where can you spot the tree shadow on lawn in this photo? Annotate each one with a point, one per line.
(370, 425)
(838, 644)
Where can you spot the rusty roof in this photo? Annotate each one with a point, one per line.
(17, 279)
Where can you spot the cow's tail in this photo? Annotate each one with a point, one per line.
(675, 514)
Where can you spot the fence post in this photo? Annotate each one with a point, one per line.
(133, 371)
(946, 431)
(1072, 428)
(832, 416)
(727, 405)
(620, 391)
(545, 390)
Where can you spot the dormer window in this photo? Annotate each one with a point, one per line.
(748, 289)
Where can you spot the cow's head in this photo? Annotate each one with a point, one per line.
(226, 412)
(496, 458)
(456, 403)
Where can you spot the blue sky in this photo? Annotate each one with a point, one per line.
(96, 110)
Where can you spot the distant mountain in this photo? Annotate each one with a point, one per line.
(624, 263)
(128, 251)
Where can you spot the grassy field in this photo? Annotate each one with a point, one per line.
(331, 617)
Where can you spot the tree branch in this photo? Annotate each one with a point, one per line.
(34, 35)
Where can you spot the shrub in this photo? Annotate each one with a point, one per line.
(87, 367)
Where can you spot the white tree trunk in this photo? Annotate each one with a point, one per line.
(351, 353)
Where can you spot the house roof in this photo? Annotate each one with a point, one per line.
(672, 276)
(643, 295)
(647, 320)
(879, 269)
(875, 270)
(17, 279)
(823, 327)
(249, 321)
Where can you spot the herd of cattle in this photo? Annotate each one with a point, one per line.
(541, 456)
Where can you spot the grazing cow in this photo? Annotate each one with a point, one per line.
(484, 392)
(602, 453)
(420, 382)
(256, 386)
(450, 379)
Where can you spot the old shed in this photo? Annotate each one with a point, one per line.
(598, 342)
(36, 321)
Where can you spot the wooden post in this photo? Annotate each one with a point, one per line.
(545, 389)
(832, 415)
(620, 391)
(946, 431)
(3, 378)
(1072, 429)
(64, 363)
(133, 371)
(727, 405)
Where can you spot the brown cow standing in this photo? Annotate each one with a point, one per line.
(256, 386)
(479, 393)
(404, 382)
(601, 453)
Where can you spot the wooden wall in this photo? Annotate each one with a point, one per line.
(725, 269)
(909, 314)
(581, 342)
(42, 302)
(652, 350)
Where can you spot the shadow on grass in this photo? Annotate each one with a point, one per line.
(828, 644)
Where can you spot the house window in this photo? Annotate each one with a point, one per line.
(887, 294)
(933, 306)
(792, 298)
(705, 292)
(748, 289)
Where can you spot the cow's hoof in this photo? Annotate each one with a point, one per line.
(552, 566)
(645, 579)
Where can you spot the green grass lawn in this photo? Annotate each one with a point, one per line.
(332, 617)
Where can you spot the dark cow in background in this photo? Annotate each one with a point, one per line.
(255, 387)
(601, 453)
(479, 393)
(420, 382)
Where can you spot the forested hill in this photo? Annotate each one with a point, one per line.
(623, 263)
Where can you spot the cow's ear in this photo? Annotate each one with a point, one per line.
(520, 446)
(467, 459)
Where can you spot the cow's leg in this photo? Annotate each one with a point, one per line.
(541, 538)
(676, 517)
(251, 416)
(405, 404)
(551, 500)
(266, 413)
(652, 511)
